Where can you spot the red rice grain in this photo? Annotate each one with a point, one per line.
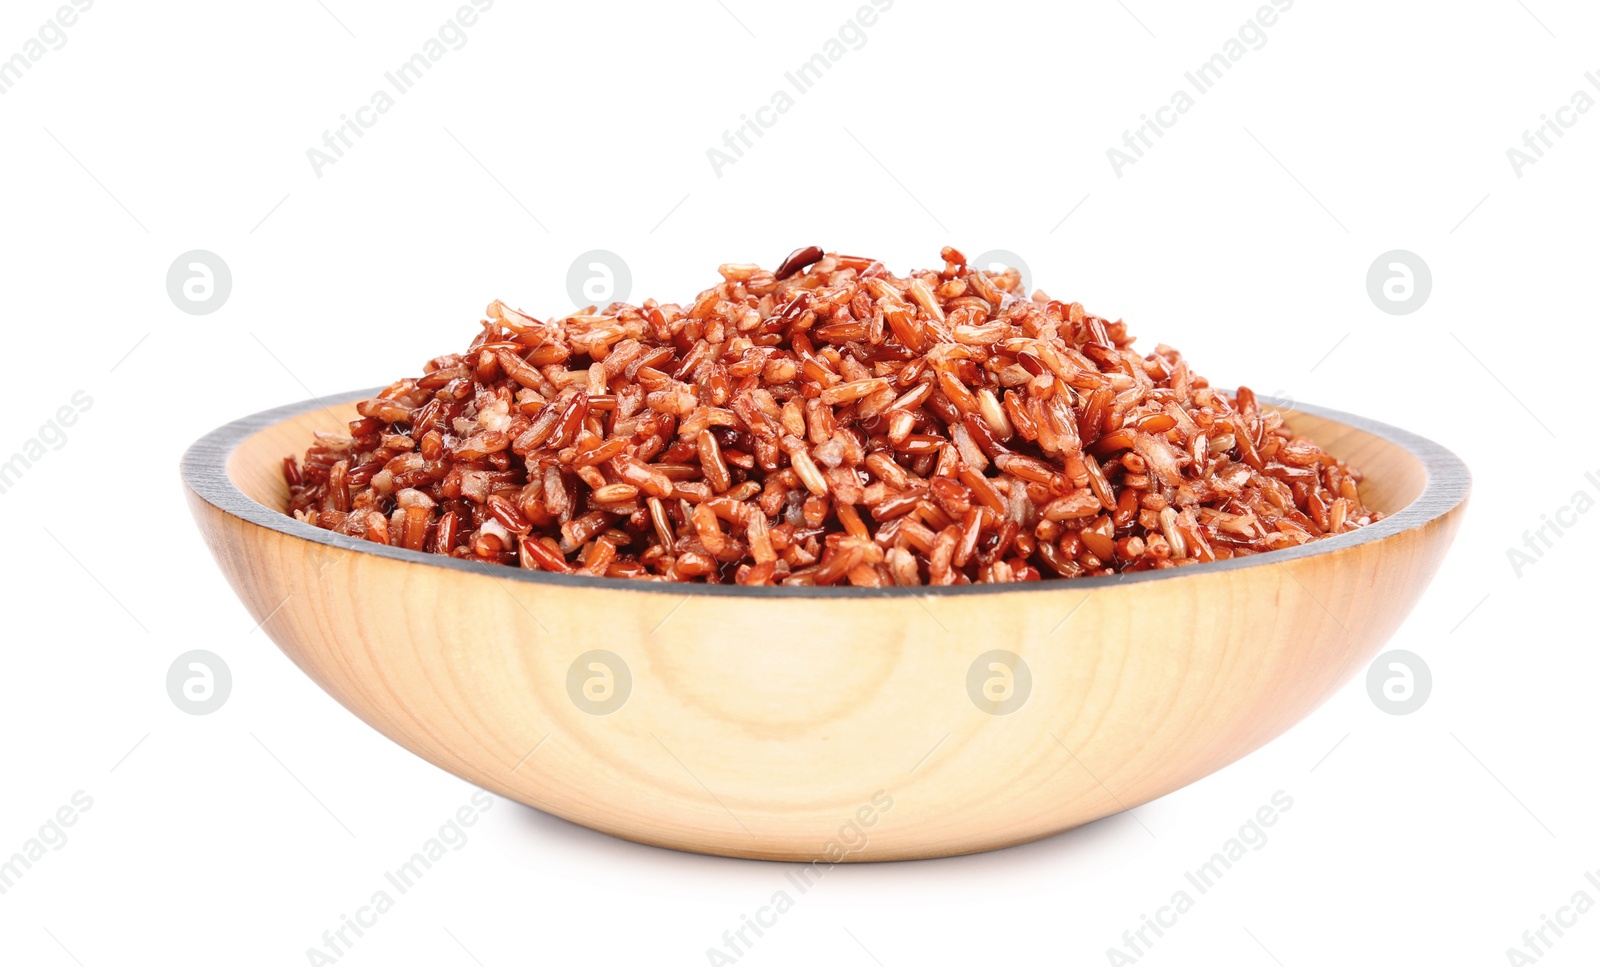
(826, 423)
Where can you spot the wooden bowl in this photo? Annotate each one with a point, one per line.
(827, 724)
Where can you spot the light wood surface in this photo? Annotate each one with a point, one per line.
(765, 725)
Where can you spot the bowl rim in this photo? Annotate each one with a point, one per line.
(204, 470)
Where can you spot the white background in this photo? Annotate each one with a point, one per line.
(1243, 238)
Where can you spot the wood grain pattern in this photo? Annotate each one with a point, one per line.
(764, 724)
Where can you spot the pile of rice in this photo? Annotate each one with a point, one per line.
(825, 423)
